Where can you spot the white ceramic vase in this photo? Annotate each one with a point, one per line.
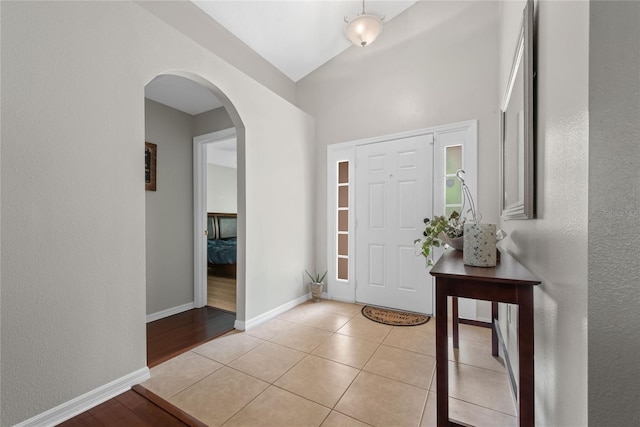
(479, 245)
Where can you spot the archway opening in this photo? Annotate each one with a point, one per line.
(180, 107)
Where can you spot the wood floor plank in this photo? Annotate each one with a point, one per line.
(84, 419)
(168, 407)
(173, 335)
(221, 292)
(114, 413)
(148, 411)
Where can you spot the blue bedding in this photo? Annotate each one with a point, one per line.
(222, 251)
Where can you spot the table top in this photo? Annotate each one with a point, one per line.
(507, 269)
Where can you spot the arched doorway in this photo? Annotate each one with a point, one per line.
(175, 217)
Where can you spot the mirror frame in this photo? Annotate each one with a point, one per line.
(525, 206)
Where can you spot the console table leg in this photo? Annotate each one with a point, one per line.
(442, 356)
(525, 351)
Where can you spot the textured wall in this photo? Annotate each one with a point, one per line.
(554, 246)
(614, 213)
(169, 210)
(73, 203)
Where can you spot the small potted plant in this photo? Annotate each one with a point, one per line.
(441, 230)
(316, 284)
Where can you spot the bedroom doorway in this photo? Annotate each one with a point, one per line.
(222, 223)
(215, 173)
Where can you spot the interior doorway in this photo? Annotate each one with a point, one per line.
(215, 200)
(222, 220)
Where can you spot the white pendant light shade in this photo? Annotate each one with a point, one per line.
(364, 29)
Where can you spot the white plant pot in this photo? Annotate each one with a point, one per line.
(479, 245)
(316, 290)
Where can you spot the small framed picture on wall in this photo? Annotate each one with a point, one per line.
(150, 156)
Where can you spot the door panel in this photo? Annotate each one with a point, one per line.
(393, 195)
(376, 206)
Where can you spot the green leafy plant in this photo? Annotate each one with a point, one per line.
(316, 277)
(452, 227)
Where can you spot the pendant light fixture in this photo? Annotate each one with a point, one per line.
(364, 28)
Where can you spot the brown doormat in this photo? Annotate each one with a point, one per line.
(388, 316)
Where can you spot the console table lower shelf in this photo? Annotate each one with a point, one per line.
(507, 282)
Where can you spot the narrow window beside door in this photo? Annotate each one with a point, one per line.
(342, 252)
(453, 189)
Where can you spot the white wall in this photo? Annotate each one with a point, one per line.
(73, 204)
(222, 189)
(169, 209)
(614, 213)
(554, 246)
(434, 64)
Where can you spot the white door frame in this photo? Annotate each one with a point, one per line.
(345, 290)
(200, 211)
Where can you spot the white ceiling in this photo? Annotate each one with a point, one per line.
(295, 36)
(181, 94)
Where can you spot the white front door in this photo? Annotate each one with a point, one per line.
(393, 196)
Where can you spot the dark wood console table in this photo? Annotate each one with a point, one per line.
(507, 282)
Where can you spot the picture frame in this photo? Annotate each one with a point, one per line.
(517, 133)
(150, 160)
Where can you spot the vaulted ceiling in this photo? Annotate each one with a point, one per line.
(295, 36)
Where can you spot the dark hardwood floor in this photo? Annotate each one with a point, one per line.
(173, 335)
(166, 338)
(134, 408)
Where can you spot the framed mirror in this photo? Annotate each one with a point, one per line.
(517, 145)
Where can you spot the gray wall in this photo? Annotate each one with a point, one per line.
(554, 246)
(614, 213)
(211, 121)
(434, 64)
(73, 204)
(169, 210)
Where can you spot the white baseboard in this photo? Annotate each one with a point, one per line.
(242, 326)
(169, 312)
(336, 298)
(83, 403)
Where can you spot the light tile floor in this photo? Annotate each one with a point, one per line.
(324, 364)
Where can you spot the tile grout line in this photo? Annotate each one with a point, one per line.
(360, 370)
